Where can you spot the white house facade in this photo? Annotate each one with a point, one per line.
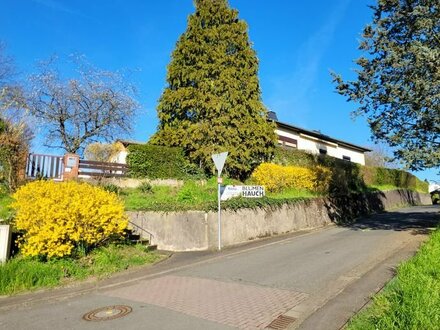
(290, 136)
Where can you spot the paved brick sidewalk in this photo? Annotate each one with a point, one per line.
(237, 305)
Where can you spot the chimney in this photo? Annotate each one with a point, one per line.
(272, 116)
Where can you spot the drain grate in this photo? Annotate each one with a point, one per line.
(107, 313)
(281, 322)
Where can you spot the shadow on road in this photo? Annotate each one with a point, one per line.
(420, 222)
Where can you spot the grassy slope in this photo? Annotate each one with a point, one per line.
(387, 187)
(20, 274)
(412, 299)
(194, 196)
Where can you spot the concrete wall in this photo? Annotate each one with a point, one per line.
(399, 198)
(197, 230)
(133, 183)
(173, 231)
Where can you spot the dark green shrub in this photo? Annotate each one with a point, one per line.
(159, 162)
(382, 176)
(146, 188)
(394, 177)
(110, 187)
(346, 177)
(368, 173)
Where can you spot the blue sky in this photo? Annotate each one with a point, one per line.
(297, 42)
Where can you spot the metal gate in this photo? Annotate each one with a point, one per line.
(44, 166)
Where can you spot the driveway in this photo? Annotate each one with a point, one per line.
(310, 280)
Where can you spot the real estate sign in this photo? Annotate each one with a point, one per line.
(242, 191)
(230, 192)
(253, 191)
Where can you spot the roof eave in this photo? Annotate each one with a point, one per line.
(322, 136)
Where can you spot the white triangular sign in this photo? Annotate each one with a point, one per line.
(219, 161)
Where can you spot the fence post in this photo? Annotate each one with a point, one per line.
(71, 167)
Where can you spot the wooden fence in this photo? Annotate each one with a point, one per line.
(40, 166)
(102, 169)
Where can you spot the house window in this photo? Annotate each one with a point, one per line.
(287, 142)
(348, 159)
(322, 152)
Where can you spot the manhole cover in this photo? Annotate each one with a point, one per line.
(107, 313)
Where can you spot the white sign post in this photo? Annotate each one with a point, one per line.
(5, 242)
(219, 161)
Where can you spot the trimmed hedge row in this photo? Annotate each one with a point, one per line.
(294, 157)
(159, 162)
(394, 177)
(349, 177)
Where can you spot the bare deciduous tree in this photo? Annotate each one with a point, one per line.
(7, 67)
(380, 156)
(96, 105)
(12, 102)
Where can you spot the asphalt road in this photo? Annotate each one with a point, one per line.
(315, 280)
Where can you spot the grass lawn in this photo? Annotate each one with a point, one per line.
(388, 187)
(412, 299)
(196, 196)
(21, 274)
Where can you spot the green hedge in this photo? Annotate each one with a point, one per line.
(294, 157)
(159, 162)
(350, 177)
(398, 178)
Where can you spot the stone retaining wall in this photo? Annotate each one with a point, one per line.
(197, 230)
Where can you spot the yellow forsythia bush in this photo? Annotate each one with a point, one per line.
(57, 217)
(277, 177)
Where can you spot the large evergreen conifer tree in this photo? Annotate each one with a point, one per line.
(213, 99)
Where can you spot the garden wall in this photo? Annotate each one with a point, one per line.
(197, 230)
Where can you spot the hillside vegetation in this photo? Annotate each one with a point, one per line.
(291, 175)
